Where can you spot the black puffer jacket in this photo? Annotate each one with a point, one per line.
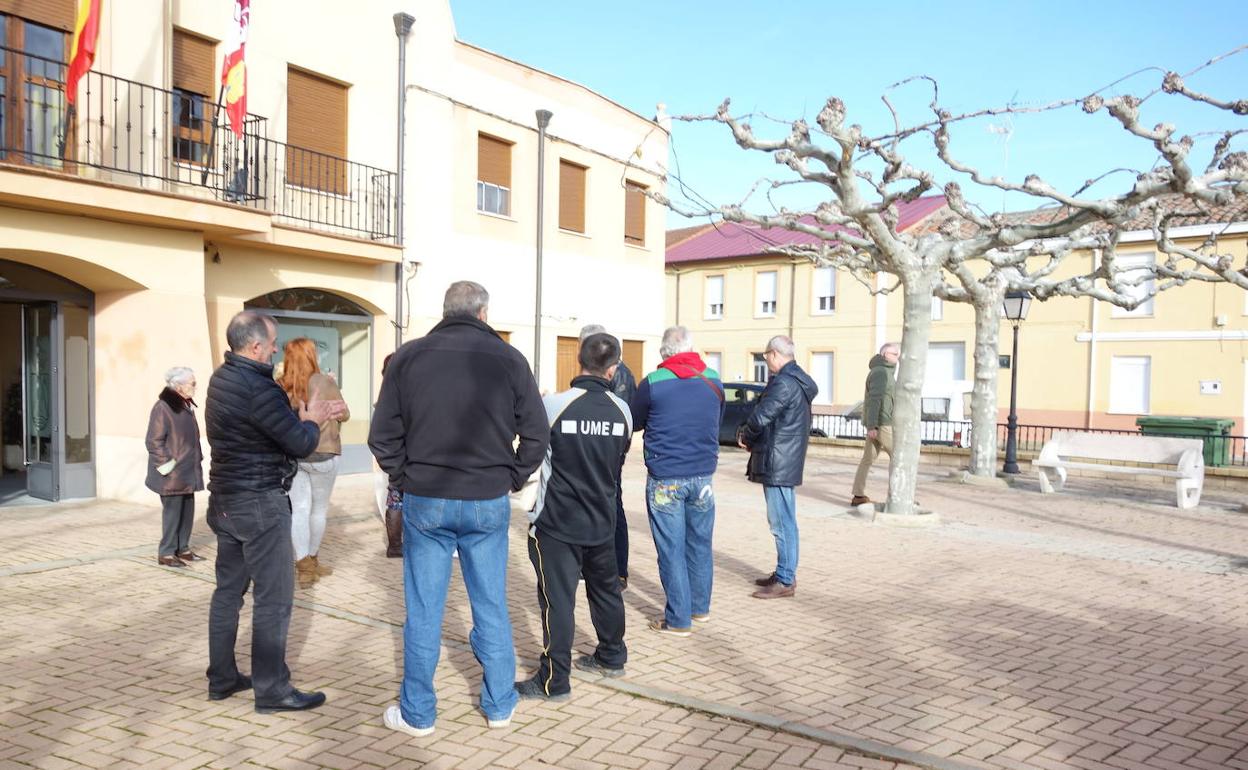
(624, 384)
(254, 435)
(778, 430)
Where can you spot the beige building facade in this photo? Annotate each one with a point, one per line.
(132, 228)
(1081, 363)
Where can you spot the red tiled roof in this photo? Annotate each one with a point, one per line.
(681, 234)
(729, 239)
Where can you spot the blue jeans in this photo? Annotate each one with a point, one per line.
(782, 518)
(433, 528)
(682, 519)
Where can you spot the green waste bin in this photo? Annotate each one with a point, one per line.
(1214, 431)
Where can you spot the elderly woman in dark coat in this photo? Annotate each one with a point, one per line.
(174, 460)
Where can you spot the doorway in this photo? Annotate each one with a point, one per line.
(45, 395)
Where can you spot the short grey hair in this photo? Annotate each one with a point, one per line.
(591, 329)
(676, 339)
(465, 299)
(179, 375)
(247, 327)
(782, 345)
(889, 346)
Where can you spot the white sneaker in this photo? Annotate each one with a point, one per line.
(498, 724)
(393, 718)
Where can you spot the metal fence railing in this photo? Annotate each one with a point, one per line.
(1219, 450)
(127, 132)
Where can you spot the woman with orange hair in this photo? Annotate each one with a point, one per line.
(303, 382)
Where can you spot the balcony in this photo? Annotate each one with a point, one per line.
(126, 132)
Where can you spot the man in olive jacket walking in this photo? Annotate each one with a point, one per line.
(877, 416)
(777, 433)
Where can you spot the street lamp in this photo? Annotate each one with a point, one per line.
(1014, 307)
(543, 120)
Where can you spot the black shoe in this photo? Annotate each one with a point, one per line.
(295, 701)
(766, 581)
(592, 665)
(531, 689)
(242, 683)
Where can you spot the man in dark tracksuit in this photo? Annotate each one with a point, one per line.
(574, 522)
(623, 385)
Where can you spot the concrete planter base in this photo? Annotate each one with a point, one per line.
(874, 513)
(1000, 481)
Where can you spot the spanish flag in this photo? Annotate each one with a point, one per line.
(234, 69)
(82, 50)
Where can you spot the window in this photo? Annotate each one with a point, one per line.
(714, 297)
(1129, 384)
(760, 368)
(1135, 267)
(714, 361)
(946, 363)
(32, 87)
(193, 61)
(824, 287)
(938, 308)
(634, 213)
(571, 197)
(821, 373)
(765, 293)
(740, 395)
(493, 175)
(316, 132)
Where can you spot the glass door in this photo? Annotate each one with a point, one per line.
(41, 439)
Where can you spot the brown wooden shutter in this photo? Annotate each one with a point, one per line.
(50, 13)
(632, 357)
(316, 130)
(571, 196)
(634, 213)
(194, 63)
(493, 161)
(567, 366)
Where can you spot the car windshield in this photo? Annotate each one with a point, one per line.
(739, 395)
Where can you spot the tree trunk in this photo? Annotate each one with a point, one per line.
(908, 393)
(984, 394)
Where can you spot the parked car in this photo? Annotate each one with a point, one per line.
(739, 401)
(935, 428)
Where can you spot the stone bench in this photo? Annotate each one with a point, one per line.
(1097, 451)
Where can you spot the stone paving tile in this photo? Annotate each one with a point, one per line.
(1077, 630)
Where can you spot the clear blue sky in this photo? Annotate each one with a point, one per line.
(785, 57)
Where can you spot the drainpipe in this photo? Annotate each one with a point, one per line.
(1088, 419)
(678, 297)
(543, 120)
(402, 28)
(792, 294)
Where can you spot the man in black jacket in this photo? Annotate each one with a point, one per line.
(574, 522)
(255, 437)
(451, 406)
(777, 433)
(624, 386)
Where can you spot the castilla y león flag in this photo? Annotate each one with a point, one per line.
(82, 50)
(234, 70)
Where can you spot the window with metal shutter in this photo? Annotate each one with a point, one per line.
(194, 60)
(51, 13)
(493, 175)
(571, 196)
(316, 132)
(634, 213)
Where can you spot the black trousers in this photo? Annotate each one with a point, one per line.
(558, 566)
(176, 517)
(253, 546)
(621, 527)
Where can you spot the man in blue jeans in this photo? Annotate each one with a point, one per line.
(679, 406)
(777, 433)
(452, 404)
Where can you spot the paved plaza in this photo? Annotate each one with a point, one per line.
(1098, 628)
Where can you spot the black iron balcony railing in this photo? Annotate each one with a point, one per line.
(121, 130)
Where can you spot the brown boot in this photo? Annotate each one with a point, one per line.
(305, 572)
(394, 534)
(320, 569)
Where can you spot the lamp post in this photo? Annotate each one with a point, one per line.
(543, 120)
(1014, 307)
(402, 28)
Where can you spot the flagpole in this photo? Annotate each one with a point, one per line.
(212, 136)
